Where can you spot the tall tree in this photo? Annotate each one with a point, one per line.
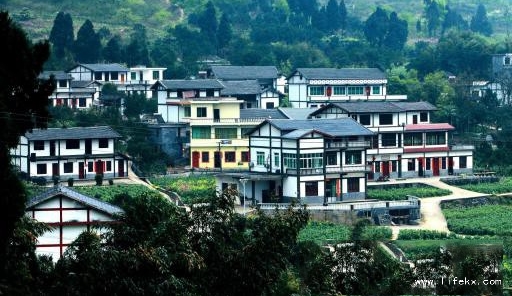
(87, 47)
(137, 50)
(342, 11)
(433, 16)
(62, 35)
(480, 23)
(453, 19)
(113, 51)
(396, 37)
(225, 32)
(332, 15)
(376, 27)
(23, 106)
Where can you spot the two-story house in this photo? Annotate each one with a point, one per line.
(68, 213)
(315, 87)
(312, 161)
(251, 93)
(406, 143)
(77, 152)
(67, 93)
(141, 79)
(104, 73)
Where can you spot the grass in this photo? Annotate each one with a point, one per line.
(503, 186)
(401, 193)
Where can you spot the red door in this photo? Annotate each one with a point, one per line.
(99, 167)
(81, 170)
(120, 168)
(385, 168)
(435, 166)
(195, 159)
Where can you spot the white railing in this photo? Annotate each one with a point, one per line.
(225, 120)
(347, 144)
(348, 169)
(350, 206)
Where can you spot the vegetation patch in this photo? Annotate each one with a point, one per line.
(191, 189)
(325, 232)
(504, 185)
(421, 234)
(479, 216)
(422, 249)
(109, 192)
(391, 192)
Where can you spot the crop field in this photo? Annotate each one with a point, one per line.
(190, 189)
(108, 192)
(503, 186)
(325, 232)
(394, 193)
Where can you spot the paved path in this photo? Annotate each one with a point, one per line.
(432, 217)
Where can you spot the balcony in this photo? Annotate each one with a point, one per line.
(211, 121)
(347, 144)
(348, 169)
(461, 147)
(305, 172)
(335, 98)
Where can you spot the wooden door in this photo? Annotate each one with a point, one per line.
(385, 168)
(195, 159)
(81, 170)
(120, 168)
(435, 166)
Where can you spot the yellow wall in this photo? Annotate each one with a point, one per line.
(211, 161)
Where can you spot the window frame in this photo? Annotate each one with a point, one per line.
(103, 143)
(42, 169)
(316, 90)
(229, 156)
(67, 167)
(384, 120)
(201, 112)
(72, 144)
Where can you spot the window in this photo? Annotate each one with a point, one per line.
(108, 166)
(210, 93)
(102, 143)
(427, 163)
(269, 105)
(463, 162)
(506, 61)
(443, 163)
(411, 165)
(229, 156)
(353, 157)
(316, 90)
(331, 158)
(133, 75)
(82, 102)
(423, 116)
(186, 111)
(38, 145)
(436, 138)
(276, 159)
(225, 133)
(353, 185)
(68, 167)
(114, 75)
(205, 156)
(377, 166)
(289, 160)
(311, 160)
(41, 168)
(311, 188)
(201, 112)
(73, 144)
(413, 139)
(375, 90)
(90, 166)
(386, 119)
(245, 156)
(156, 75)
(260, 158)
(338, 90)
(355, 90)
(388, 140)
(98, 75)
(364, 119)
(201, 132)
(63, 83)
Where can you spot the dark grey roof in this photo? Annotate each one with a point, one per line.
(81, 198)
(106, 67)
(92, 132)
(261, 113)
(82, 83)
(345, 73)
(192, 84)
(296, 113)
(244, 72)
(338, 127)
(243, 87)
(299, 133)
(378, 107)
(59, 75)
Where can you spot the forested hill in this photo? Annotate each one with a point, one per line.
(37, 16)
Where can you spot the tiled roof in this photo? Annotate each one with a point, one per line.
(344, 73)
(428, 127)
(415, 106)
(261, 113)
(243, 87)
(334, 127)
(378, 107)
(244, 72)
(192, 84)
(93, 132)
(81, 198)
(105, 67)
(297, 134)
(296, 113)
(59, 75)
(82, 83)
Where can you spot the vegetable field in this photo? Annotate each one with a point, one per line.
(503, 186)
(108, 192)
(490, 219)
(191, 189)
(325, 232)
(394, 193)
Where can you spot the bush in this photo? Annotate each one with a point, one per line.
(99, 179)
(110, 182)
(41, 181)
(413, 234)
(70, 182)
(56, 180)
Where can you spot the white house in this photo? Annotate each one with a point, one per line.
(140, 80)
(68, 213)
(68, 93)
(406, 143)
(77, 152)
(315, 87)
(252, 94)
(313, 161)
(104, 73)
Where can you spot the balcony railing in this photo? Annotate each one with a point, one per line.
(225, 120)
(348, 169)
(461, 147)
(348, 144)
(303, 172)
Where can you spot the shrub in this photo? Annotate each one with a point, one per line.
(110, 182)
(99, 179)
(41, 181)
(56, 180)
(70, 182)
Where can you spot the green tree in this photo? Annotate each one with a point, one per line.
(138, 47)
(62, 35)
(87, 47)
(480, 23)
(23, 106)
(376, 27)
(433, 15)
(113, 50)
(453, 19)
(397, 33)
(225, 32)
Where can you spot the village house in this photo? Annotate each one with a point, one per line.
(76, 152)
(406, 144)
(68, 213)
(315, 87)
(68, 93)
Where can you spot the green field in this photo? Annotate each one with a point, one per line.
(401, 193)
(108, 192)
(326, 232)
(503, 186)
(190, 189)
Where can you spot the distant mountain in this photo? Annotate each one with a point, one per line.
(119, 16)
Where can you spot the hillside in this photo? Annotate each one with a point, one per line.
(36, 17)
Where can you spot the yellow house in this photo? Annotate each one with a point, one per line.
(217, 132)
